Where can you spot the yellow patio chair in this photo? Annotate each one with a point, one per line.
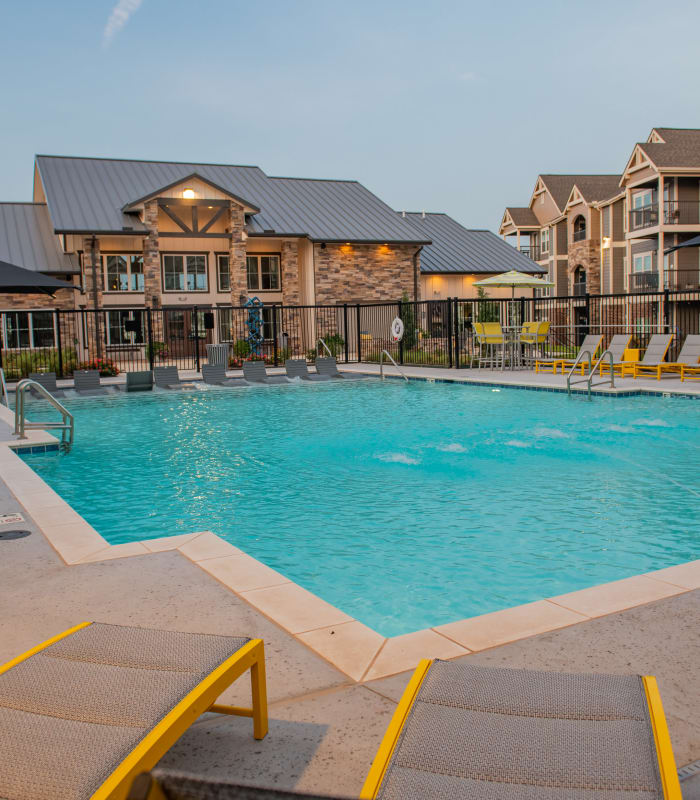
(687, 361)
(466, 731)
(87, 711)
(617, 347)
(533, 335)
(489, 335)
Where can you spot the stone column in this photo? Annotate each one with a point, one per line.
(151, 257)
(291, 290)
(93, 281)
(236, 254)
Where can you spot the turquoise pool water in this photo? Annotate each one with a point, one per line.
(405, 505)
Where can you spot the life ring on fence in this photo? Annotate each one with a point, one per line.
(397, 329)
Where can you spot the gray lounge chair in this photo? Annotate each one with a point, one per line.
(141, 381)
(215, 375)
(329, 366)
(296, 368)
(169, 378)
(48, 381)
(87, 382)
(255, 372)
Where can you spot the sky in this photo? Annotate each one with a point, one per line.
(437, 106)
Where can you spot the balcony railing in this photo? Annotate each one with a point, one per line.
(579, 235)
(643, 281)
(682, 212)
(579, 289)
(679, 280)
(535, 253)
(644, 217)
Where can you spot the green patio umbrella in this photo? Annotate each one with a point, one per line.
(514, 279)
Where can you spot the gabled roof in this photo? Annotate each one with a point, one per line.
(594, 188)
(559, 187)
(161, 190)
(523, 217)
(27, 240)
(457, 249)
(680, 148)
(88, 195)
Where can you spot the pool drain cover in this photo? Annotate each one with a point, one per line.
(5, 535)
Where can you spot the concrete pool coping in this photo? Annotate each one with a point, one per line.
(352, 647)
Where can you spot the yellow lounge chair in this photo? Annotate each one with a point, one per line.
(653, 356)
(86, 712)
(688, 358)
(465, 731)
(618, 346)
(591, 342)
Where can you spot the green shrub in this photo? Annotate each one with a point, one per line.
(19, 363)
(241, 348)
(334, 342)
(157, 350)
(410, 329)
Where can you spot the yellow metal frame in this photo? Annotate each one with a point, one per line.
(689, 372)
(201, 699)
(664, 752)
(391, 737)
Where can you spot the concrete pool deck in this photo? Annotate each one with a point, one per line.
(330, 697)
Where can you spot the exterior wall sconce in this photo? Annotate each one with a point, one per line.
(606, 242)
(188, 194)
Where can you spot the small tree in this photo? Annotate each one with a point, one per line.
(410, 329)
(487, 311)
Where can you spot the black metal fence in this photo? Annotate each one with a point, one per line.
(437, 332)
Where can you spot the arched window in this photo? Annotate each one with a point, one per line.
(579, 228)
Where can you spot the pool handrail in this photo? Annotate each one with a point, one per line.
(579, 357)
(4, 398)
(66, 426)
(381, 365)
(327, 349)
(596, 366)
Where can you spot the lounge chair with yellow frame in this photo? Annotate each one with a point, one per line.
(687, 359)
(490, 338)
(86, 712)
(467, 731)
(533, 336)
(591, 343)
(653, 356)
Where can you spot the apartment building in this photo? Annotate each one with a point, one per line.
(608, 233)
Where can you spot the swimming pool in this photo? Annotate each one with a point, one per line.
(404, 505)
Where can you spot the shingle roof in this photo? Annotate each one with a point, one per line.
(560, 187)
(523, 217)
(598, 187)
(87, 195)
(27, 240)
(681, 148)
(458, 249)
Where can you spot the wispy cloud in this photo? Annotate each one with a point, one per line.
(118, 18)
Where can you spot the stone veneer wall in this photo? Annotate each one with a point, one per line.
(585, 254)
(152, 283)
(89, 298)
(363, 273)
(291, 281)
(64, 299)
(236, 253)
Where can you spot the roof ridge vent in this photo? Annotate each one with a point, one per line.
(422, 214)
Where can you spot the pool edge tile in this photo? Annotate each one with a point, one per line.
(685, 575)
(509, 624)
(401, 653)
(207, 545)
(350, 647)
(608, 598)
(294, 608)
(124, 550)
(163, 543)
(242, 572)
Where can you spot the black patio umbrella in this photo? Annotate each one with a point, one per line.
(17, 280)
(694, 242)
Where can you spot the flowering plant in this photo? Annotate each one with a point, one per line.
(105, 366)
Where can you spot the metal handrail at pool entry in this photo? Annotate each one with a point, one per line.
(381, 365)
(66, 426)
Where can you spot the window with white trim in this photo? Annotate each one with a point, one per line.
(117, 333)
(544, 239)
(185, 273)
(28, 329)
(224, 273)
(123, 273)
(263, 272)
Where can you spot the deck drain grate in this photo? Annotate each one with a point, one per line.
(7, 535)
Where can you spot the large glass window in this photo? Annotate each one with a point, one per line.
(117, 333)
(123, 273)
(263, 272)
(28, 329)
(223, 273)
(225, 324)
(185, 273)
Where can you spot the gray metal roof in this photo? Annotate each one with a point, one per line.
(88, 194)
(458, 249)
(27, 240)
